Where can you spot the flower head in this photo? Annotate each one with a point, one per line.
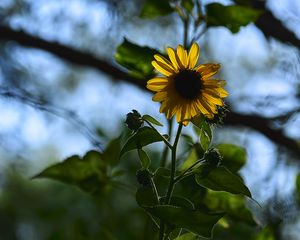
(186, 90)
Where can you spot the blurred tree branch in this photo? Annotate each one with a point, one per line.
(26, 98)
(72, 55)
(272, 26)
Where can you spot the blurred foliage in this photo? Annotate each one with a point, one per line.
(231, 17)
(135, 58)
(155, 8)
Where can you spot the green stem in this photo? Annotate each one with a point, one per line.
(165, 152)
(173, 165)
(161, 230)
(185, 31)
(163, 138)
(171, 183)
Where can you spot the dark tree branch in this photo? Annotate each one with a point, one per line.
(262, 125)
(272, 26)
(77, 57)
(67, 53)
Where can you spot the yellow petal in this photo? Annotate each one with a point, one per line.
(165, 61)
(213, 100)
(162, 68)
(160, 96)
(158, 80)
(193, 55)
(173, 58)
(214, 83)
(156, 87)
(212, 91)
(223, 93)
(209, 108)
(208, 70)
(182, 55)
(167, 108)
(157, 84)
(202, 108)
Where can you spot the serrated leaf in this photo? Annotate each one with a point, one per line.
(88, 173)
(234, 157)
(233, 205)
(136, 58)
(231, 17)
(221, 179)
(143, 137)
(145, 160)
(155, 8)
(187, 236)
(195, 221)
(152, 120)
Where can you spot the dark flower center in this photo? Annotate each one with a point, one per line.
(188, 83)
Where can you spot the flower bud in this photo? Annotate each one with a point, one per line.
(143, 177)
(213, 157)
(134, 120)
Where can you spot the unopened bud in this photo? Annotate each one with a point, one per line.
(134, 120)
(213, 157)
(143, 177)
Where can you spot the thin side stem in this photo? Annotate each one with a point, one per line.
(185, 173)
(164, 139)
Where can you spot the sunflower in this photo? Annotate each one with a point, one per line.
(186, 90)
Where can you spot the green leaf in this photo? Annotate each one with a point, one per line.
(234, 157)
(145, 160)
(233, 205)
(152, 120)
(88, 173)
(231, 17)
(145, 196)
(203, 129)
(221, 179)
(135, 58)
(155, 8)
(112, 151)
(180, 202)
(198, 121)
(265, 234)
(187, 236)
(195, 221)
(205, 136)
(163, 172)
(243, 2)
(188, 5)
(190, 160)
(298, 188)
(143, 137)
